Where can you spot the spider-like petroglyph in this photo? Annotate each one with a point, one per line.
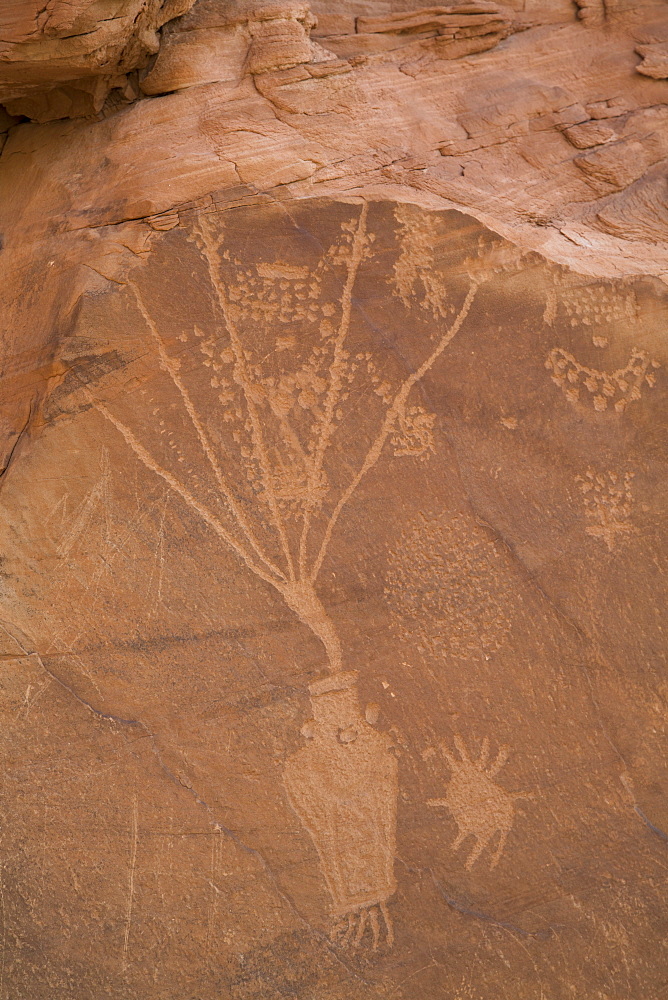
(480, 807)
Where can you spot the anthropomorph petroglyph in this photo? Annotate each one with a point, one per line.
(343, 786)
(608, 501)
(480, 807)
(261, 399)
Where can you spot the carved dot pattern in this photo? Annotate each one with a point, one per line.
(618, 388)
(445, 581)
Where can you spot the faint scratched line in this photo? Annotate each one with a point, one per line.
(131, 880)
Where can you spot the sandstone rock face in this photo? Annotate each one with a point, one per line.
(333, 502)
(62, 59)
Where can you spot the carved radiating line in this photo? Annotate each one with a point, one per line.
(291, 435)
(395, 408)
(150, 463)
(296, 583)
(170, 368)
(243, 379)
(216, 854)
(335, 376)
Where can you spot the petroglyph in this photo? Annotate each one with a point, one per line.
(616, 389)
(589, 305)
(414, 268)
(281, 426)
(480, 807)
(445, 581)
(551, 305)
(261, 401)
(608, 502)
(216, 865)
(89, 538)
(593, 305)
(343, 786)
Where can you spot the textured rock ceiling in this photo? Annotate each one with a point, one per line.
(332, 502)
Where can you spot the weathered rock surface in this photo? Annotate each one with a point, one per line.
(63, 58)
(332, 427)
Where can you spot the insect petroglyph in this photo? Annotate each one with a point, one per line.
(480, 807)
(262, 403)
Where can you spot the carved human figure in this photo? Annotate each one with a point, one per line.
(343, 786)
(261, 398)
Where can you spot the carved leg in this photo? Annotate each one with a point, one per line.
(375, 926)
(499, 851)
(479, 847)
(361, 927)
(388, 924)
(459, 839)
(349, 931)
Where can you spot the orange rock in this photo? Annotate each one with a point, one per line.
(332, 463)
